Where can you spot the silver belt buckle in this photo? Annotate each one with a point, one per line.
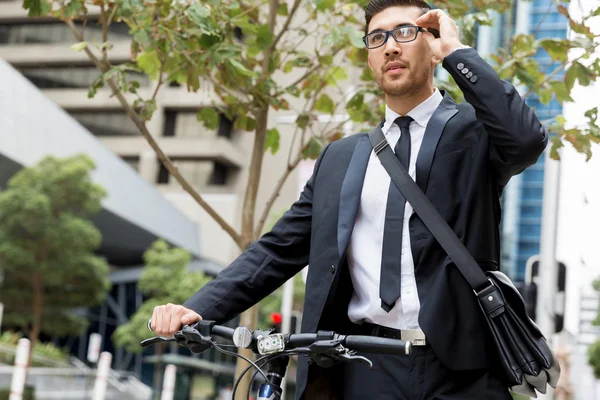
(415, 336)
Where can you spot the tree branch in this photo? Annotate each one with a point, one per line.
(306, 74)
(247, 9)
(104, 34)
(556, 71)
(160, 79)
(165, 160)
(286, 24)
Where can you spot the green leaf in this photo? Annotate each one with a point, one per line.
(302, 120)
(579, 72)
(97, 84)
(324, 5)
(240, 68)
(556, 144)
(561, 92)
(340, 73)
(355, 37)
(313, 149)
(79, 46)
(334, 38)
(264, 37)
(149, 63)
(199, 14)
(272, 140)
(37, 8)
(325, 104)
(326, 59)
(523, 46)
(288, 67)
(556, 48)
(545, 96)
(245, 123)
(282, 9)
(210, 117)
(253, 49)
(143, 38)
(72, 9)
(302, 62)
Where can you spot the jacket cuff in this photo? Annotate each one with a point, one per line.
(459, 66)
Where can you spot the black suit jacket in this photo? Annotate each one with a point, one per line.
(468, 154)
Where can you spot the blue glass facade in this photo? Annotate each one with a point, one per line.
(522, 237)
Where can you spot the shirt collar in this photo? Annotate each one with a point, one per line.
(420, 114)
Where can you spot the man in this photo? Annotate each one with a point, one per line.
(373, 268)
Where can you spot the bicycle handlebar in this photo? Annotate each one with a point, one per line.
(266, 342)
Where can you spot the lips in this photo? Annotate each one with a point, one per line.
(394, 66)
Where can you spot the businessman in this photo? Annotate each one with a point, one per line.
(374, 268)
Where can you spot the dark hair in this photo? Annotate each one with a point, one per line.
(376, 6)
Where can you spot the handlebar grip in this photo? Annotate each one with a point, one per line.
(379, 345)
(223, 331)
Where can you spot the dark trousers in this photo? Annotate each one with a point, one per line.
(419, 376)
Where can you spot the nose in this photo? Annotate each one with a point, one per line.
(392, 47)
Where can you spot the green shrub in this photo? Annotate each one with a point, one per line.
(28, 393)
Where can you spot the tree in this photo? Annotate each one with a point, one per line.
(47, 245)
(165, 279)
(295, 56)
(594, 349)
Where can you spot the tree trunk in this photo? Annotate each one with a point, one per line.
(157, 378)
(37, 307)
(250, 316)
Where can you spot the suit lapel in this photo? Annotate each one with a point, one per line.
(446, 110)
(351, 191)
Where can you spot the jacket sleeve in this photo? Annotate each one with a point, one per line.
(517, 137)
(270, 261)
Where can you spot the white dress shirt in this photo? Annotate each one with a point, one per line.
(366, 243)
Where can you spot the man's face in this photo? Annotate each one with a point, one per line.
(400, 69)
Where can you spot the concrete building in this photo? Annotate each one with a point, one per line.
(54, 115)
(214, 162)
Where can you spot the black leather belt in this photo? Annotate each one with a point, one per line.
(415, 336)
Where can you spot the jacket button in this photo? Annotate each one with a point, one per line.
(332, 269)
(469, 75)
(465, 70)
(474, 78)
(460, 66)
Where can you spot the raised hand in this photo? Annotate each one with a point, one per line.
(449, 39)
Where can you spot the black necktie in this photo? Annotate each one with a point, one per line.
(389, 287)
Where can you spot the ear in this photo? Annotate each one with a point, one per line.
(435, 60)
(369, 61)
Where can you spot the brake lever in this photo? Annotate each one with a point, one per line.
(326, 353)
(350, 356)
(155, 340)
(194, 339)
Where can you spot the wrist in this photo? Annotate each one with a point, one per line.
(455, 46)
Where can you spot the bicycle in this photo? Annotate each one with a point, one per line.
(325, 348)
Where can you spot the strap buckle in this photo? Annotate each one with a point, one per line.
(380, 146)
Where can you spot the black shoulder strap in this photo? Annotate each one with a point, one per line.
(446, 237)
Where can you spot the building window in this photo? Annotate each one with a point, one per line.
(163, 175)
(186, 124)
(106, 122)
(58, 32)
(134, 162)
(68, 76)
(199, 173)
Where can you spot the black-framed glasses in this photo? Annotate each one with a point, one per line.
(401, 34)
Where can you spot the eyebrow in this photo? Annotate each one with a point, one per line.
(397, 26)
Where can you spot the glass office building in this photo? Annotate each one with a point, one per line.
(522, 199)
